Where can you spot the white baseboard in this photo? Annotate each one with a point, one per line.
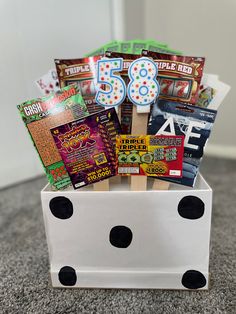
(224, 151)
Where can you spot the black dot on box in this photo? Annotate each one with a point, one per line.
(191, 207)
(67, 276)
(193, 279)
(61, 207)
(120, 236)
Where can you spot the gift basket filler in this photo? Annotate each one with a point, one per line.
(121, 134)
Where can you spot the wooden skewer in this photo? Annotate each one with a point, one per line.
(117, 179)
(138, 183)
(104, 185)
(160, 185)
(101, 185)
(119, 113)
(139, 126)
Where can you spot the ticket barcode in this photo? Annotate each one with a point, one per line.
(128, 170)
(175, 172)
(77, 185)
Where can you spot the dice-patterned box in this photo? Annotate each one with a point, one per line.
(126, 239)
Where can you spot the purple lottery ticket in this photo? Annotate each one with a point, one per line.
(87, 147)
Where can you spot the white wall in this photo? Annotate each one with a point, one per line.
(202, 28)
(32, 34)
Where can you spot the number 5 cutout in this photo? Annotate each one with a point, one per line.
(105, 76)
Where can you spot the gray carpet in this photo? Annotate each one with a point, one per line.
(24, 280)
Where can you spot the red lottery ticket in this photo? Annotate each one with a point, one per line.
(179, 76)
(83, 72)
(149, 155)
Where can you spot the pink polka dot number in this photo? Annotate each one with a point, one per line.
(143, 87)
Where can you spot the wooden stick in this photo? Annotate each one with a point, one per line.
(160, 185)
(129, 180)
(119, 113)
(104, 185)
(115, 180)
(139, 127)
(139, 122)
(138, 183)
(101, 185)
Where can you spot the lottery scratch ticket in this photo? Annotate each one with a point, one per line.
(179, 76)
(194, 123)
(87, 147)
(212, 92)
(83, 73)
(149, 155)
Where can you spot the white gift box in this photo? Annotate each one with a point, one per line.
(126, 239)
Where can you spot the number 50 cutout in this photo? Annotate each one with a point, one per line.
(143, 87)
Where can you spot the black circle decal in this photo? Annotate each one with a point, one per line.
(67, 276)
(193, 279)
(61, 207)
(191, 207)
(120, 236)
